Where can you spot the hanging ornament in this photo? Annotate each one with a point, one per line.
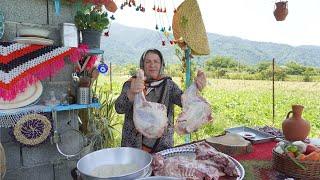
(32, 129)
(163, 43)
(103, 68)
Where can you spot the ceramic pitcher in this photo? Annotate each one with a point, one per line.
(294, 127)
(281, 10)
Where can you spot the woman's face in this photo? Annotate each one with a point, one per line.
(152, 65)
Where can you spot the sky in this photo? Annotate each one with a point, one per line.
(247, 19)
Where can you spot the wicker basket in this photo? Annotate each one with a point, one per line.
(285, 165)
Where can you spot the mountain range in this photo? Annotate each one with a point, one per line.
(124, 45)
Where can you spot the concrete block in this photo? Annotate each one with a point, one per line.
(62, 170)
(31, 11)
(44, 153)
(13, 155)
(65, 73)
(5, 136)
(41, 172)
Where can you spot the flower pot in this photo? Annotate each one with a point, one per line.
(295, 128)
(281, 10)
(91, 38)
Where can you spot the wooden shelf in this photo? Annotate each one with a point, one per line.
(51, 108)
(95, 52)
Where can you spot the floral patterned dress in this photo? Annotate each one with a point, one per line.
(167, 93)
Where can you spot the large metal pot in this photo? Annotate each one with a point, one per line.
(115, 156)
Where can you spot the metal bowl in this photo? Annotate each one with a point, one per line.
(115, 156)
(160, 178)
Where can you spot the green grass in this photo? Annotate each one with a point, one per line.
(245, 102)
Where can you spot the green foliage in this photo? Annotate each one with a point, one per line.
(91, 17)
(104, 119)
(242, 102)
(221, 62)
(293, 68)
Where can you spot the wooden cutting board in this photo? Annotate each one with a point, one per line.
(231, 144)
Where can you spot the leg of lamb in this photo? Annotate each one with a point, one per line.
(149, 118)
(196, 111)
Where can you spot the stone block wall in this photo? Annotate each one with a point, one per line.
(42, 162)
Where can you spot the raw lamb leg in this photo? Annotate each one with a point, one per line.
(196, 111)
(149, 118)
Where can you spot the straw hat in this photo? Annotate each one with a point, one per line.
(188, 28)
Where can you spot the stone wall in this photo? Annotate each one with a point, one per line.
(42, 162)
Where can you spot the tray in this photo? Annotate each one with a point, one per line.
(189, 150)
(255, 136)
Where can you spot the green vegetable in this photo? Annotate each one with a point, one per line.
(292, 148)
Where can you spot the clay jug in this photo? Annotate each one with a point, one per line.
(2, 162)
(111, 6)
(295, 128)
(281, 10)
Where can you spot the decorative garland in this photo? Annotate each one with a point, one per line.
(32, 129)
(22, 65)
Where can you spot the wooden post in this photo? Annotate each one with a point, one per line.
(110, 70)
(188, 80)
(273, 103)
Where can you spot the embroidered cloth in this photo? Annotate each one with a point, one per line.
(21, 65)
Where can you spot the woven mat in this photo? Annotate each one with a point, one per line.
(258, 164)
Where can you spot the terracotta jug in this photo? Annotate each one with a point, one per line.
(281, 10)
(295, 128)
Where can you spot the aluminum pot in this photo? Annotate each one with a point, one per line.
(115, 156)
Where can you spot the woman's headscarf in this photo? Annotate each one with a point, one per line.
(154, 51)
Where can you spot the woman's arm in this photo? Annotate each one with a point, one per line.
(176, 93)
(123, 104)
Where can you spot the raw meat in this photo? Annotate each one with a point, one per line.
(206, 163)
(196, 111)
(213, 157)
(149, 118)
(183, 166)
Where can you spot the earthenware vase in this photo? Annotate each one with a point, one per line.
(281, 10)
(295, 128)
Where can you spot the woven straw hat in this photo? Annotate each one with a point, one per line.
(188, 28)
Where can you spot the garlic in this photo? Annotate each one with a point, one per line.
(279, 150)
(301, 146)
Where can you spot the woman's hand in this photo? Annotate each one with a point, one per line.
(137, 85)
(200, 80)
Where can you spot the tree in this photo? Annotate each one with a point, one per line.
(218, 62)
(293, 68)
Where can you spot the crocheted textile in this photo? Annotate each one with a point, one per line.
(21, 65)
(258, 164)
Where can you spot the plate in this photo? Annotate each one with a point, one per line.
(253, 135)
(33, 31)
(33, 40)
(248, 135)
(191, 149)
(29, 96)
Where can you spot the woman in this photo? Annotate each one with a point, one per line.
(158, 88)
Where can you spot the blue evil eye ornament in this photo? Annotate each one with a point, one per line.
(103, 68)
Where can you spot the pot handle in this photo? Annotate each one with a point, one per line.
(289, 114)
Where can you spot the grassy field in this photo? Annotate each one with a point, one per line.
(245, 102)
